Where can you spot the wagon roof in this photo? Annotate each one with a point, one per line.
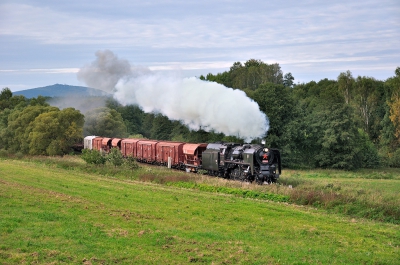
(191, 148)
(105, 140)
(170, 144)
(115, 141)
(147, 142)
(130, 140)
(90, 137)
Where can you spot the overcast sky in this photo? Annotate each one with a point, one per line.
(47, 42)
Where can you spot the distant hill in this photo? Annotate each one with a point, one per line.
(59, 90)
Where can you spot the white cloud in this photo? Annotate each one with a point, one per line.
(43, 71)
(207, 35)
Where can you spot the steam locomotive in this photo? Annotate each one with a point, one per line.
(247, 162)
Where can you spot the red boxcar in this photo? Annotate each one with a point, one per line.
(146, 151)
(97, 142)
(106, 144)
(174, 150)
(192, 155)
(129, 147)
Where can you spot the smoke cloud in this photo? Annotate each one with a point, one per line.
(196, 103)
(105, 72)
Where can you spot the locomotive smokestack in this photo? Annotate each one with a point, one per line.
(196, 103)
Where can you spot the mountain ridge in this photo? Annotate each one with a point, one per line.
(61, 90)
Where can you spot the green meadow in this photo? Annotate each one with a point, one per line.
(56, 211)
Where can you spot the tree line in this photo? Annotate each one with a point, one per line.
(347, 123)
(32, 126)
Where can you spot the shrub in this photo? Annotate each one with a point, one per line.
(93, 157)
(3, 153)
(131, 163)
(394, 160)
(19, 155)
(115, 157)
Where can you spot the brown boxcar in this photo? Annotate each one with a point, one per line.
(146, 151)
(193, 155)
(97, 142)
(106, 144)
(174, 150)
(129, 147)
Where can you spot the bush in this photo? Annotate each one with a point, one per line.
(368, 156)
(19, 155)
(131, 163)
(394, 160)
(115, 157)
(93, 157)
(54, 149)
(3, 153)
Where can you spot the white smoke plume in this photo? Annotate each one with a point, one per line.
(196, 103)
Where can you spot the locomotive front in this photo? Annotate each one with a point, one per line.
(269, 165)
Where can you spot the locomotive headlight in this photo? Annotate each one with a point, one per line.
(266, 150)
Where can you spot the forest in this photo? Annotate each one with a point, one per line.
(347, 123)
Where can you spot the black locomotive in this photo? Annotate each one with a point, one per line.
(248, 162)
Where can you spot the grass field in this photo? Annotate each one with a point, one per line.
(54, 213)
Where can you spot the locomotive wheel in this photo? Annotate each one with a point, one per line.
(237, 174)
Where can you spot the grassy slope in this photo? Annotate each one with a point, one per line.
(54, 215)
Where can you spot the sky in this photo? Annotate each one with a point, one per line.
(47, 42)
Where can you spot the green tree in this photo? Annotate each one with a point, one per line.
(5, 97)
(288, 80)
(389, 138)
(132, 116)
(346, 84)
(55, 132)
(20, 125)
(104, 122)
(161, 128)
(8, 101)
(248, 76)
(370, 102)
(276, 102)
(336, 137)
(147, 124)
(394, 102)
(179, 132)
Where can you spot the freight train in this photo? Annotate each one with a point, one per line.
(243, 162)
